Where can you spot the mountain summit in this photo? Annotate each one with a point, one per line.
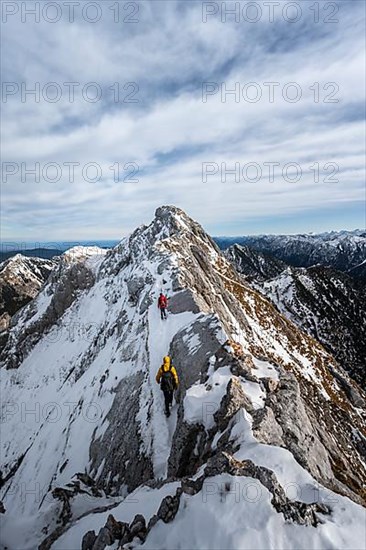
(266, 442)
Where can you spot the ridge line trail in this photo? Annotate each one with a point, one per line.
(161, 333)
(159, 342)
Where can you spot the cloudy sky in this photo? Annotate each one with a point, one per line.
(134, 110)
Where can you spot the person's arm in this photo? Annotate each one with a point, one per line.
(158, 376)
(175, 376)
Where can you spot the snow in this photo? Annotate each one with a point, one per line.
(83, 253)
(58, 423)
(40, 304)
(255, 392)
(160, 336)
(236, 513)
(264, 369)
(203, 400)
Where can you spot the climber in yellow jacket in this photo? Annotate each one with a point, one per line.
(167, 377)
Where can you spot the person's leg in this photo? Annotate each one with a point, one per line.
(161, 313)
(170, 398)
(166, 398)
(164, 310)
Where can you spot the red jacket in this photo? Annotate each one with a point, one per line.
(162, 302)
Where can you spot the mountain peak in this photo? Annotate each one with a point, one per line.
(175, 219)
(168, 211)
(169, 222)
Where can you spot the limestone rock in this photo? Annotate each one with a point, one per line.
(88, 540)
(103, 539)
(191, 486)
(234, 400)
(266, 428)
(138, 527)
(270, 384)
(182, 301)
(298, 432)
(168, 508)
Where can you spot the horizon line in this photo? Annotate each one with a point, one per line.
(14, 240)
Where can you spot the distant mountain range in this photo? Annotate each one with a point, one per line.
(46, 250)
(343, 250)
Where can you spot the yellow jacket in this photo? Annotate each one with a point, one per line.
(164, 368)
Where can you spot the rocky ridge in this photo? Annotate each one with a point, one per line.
(251, 383)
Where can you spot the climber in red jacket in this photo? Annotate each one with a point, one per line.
(162, 305)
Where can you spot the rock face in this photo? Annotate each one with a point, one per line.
(358, 272)
(233, 401)
(21, 279)
(84, 355)
(125, 463)
(254, 264)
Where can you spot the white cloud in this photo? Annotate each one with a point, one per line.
(170, 132)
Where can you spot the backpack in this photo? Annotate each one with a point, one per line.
(167, 381)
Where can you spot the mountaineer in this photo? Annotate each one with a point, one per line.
(168, 378)
(162, 305)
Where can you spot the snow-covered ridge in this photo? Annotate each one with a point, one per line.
(21, 278)
(82, 253)
(256, 404)
(20, 265)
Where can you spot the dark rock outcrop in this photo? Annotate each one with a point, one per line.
(168, 508)
(253, 264)
(88, 540)
(138, 527)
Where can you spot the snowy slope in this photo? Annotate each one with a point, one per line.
(83, 429)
